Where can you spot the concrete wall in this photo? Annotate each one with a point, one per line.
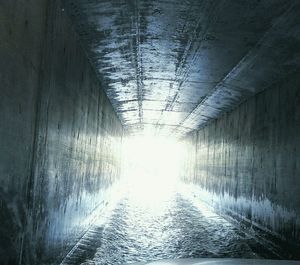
(246, 163)
(59, 137)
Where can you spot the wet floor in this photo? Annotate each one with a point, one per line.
(149, 227)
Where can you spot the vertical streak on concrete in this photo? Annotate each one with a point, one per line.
(60, 138)
(247, 162)
(22, 30)
(139, 69)
(29, 256)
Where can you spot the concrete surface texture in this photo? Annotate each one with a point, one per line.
(172, 66)
(174, 226)
(77, 75)
(219, 262)
(246, 164)
(60, 137)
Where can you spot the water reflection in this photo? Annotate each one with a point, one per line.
(156, 218)
(167, 227)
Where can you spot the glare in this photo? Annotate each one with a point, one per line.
(151, 166)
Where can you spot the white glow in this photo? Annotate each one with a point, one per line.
(151, 166)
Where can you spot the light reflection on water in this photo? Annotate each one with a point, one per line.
(155, 217)
(166, 225)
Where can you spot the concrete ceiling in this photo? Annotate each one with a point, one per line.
(174, 65)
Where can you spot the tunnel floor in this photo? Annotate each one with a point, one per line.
(149, 227)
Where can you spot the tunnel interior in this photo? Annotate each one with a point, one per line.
(136, 130)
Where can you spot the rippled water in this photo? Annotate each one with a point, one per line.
(141, 228)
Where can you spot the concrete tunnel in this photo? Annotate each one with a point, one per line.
(83, 81)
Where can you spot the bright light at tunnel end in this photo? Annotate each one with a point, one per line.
(151, 166)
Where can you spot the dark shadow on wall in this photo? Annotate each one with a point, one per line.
(8, 246)
(60, 138)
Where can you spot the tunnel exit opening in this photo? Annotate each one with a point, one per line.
(151, 166)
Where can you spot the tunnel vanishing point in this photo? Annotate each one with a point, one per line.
(78, 76)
